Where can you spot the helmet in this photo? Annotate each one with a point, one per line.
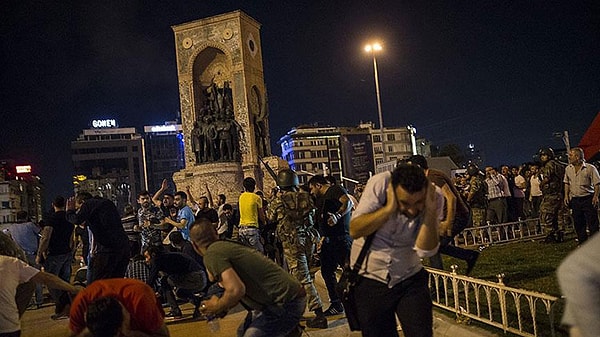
(472, 170)
(547, 151)
(287, 178)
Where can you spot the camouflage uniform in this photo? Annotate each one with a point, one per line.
(552, 197)
(293, 212)
(478, 200)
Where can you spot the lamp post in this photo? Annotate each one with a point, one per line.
(374, 48)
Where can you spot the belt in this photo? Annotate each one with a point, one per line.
(249, 226)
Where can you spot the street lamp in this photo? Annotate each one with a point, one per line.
(373, 49)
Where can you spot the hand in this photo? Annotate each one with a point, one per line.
(164, 184)
(333, 218)
(391, 204)
(210, 306)
(70, 205)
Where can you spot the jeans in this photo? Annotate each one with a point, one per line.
(334, 252)
(186, 284)
(273, 320)
(410, 300)
(59, 265)
(250, 236)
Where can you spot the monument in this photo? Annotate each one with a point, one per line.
(224, 108)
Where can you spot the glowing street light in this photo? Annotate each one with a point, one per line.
(373, 49)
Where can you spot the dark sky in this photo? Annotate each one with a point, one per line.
(503, 75)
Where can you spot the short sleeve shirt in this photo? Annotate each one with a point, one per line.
(14, 272)
(249, 204)
(186, 213)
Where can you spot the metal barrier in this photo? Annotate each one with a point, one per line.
(500, 233)
(518, 311)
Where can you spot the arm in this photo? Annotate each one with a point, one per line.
(365, 224)
(567, 194)
(54, 282)
(446, 225)
(156, 196)
(181, 224)
(428, 237)
(235, 289)
(190, 199)
(43, 247)
(211, 204)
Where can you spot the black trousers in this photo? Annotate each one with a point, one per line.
(585, 216)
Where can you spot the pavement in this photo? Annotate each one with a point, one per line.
(37, 323)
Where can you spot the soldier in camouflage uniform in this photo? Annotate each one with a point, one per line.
(552, 174)
(292, 211)
(477, 196)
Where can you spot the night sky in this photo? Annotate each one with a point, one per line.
(502, 75)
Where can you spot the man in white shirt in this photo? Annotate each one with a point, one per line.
(403, 210)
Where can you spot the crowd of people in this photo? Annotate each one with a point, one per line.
(263, 254)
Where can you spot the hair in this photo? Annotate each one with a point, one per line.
(59, 202)
(204, 198)
(154, 250)
(22, 215)
(418, 160)
(260, 193)
(168, 195)
(318, 179)
(203, 233)
(143, 193)
(411, 177)
(227, 207)
(331, 179)
(222, 197)
(104, 317)
(81, 197)
(176, 237)
(249, 184)
(579, 151)
(181, 194)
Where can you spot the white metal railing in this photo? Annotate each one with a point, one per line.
(500, 233)
(518, 311)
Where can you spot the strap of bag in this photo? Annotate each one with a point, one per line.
(363, 253)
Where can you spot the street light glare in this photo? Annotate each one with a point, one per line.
(373, 47)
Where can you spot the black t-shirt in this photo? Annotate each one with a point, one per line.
(62, 230)
(208, 213)
(172, 264)
(330, 203)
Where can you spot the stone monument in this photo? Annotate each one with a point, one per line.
(224, 110)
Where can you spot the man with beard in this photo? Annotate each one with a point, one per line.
(149, 220)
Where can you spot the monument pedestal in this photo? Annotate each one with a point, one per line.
(221, 178)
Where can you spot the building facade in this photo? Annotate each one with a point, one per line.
(165, 153)
(110, 162)
(20, 190)
(350, 154)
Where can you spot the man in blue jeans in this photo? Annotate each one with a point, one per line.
(55, 252)
(275, 299)
(333, 218)
(403, 210)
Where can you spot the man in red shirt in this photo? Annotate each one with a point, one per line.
(111, 307)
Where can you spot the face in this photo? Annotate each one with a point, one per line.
(505, 170)
(144, 200)
(574, 157)
(544, 158)
(168, 200)
(315, 189)
(534, 169)
(203, 203)
(179, 202)
(515, 171)
(410, 204)
(147, 256)
(489, 171)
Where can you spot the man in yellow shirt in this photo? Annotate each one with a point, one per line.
(251, 215)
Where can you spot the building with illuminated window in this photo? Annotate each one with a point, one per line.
(165, 153)
(110, 162)
(351, 154)
(20, 190)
